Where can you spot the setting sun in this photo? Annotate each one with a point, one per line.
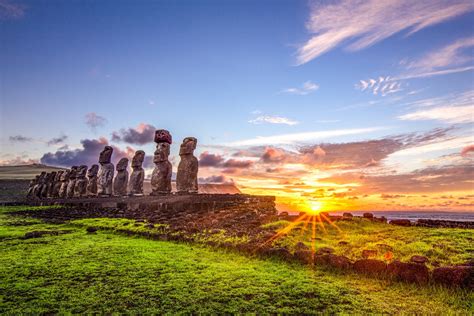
(315, 207)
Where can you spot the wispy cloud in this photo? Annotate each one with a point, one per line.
(296, 138)
(11, 10)
(93, 120)
(448, 114)
(380, 86)
(56, 140)
(361, 24)
(451, 55)
(305, 89)
(271, 119)
(20, 139)
(452, 108)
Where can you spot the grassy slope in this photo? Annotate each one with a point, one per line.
(444, 245)
(108, 272)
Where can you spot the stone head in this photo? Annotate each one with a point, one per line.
(36, 179)
(163, 136)
(42, 176)
(93, 170)
(122, 164)
(162, 152)
(138, 158)
(65, 175)
(81, 172)
(73, 173)
(188, 146)
(58, 176)
(106, 155)
(52, 176)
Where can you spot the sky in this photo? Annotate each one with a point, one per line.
(335, 105)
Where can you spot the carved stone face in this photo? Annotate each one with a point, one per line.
(52, 176)
(162, 152)
(58, 176)
(106, 155)
(65, 175)
(163, 136)
(81, 172)
(73, 173)
(42, 176)
(188, 146)
(122, 164)
(93, 170)
(137, 160)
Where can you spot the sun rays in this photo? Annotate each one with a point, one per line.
(314, 219)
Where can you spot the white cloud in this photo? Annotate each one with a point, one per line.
(382, 85)
(362, 23)
(305, 89)
(448, 114)
(273, 120)
(452, 108)
(440, 145)
(301, 137)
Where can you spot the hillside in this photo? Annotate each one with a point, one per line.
(24, 172)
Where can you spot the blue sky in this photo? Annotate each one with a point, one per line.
(228, 72)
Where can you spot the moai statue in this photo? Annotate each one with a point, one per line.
(38, 188)
(81, 182)
(57, 184)
(161, 176)
(186, 179)
(51, 184)
(92, 180)
(135, 184)
(31, 187)
(106, 172)
(72, 182)
(121, 179)
(46, 185)
(64, 183)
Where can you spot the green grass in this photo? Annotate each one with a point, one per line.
(108, 272)
(445, 245)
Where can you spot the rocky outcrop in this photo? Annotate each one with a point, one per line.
(400, 222)
(455, 276)
(408, 272)
(370, 267)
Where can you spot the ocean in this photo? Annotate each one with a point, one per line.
(415, 215)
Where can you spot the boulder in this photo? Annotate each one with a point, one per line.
(400, 222)
(367, 253)
(419, 259)
(301, 246)
(368, 215)
(408, 272)
(324, 250)
(370, 266)
(455, 276)
(335, 261)
(347, 215)
(304, 256)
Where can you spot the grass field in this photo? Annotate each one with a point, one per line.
(442, 246)
(106, 272)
